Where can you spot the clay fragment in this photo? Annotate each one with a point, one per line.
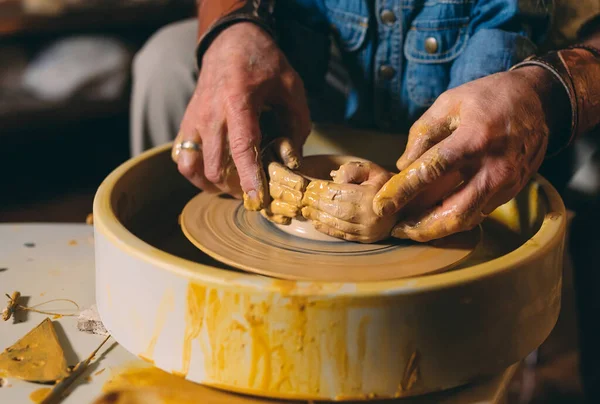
(36, 357)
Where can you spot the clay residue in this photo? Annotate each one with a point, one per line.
(411, 374)
(39, 395)
(194, 319)
(146, 385)
(165, 307)
(36, 357)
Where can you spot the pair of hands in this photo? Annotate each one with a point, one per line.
(472, 151)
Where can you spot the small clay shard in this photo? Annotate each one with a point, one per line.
(89, 219)
(36, 357)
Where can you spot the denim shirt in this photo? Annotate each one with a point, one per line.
(400, 55)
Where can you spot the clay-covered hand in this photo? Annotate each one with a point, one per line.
(342, 208)
(243, 73)
(286, 189)
(472, 151)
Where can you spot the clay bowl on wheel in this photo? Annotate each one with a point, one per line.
(169, 303)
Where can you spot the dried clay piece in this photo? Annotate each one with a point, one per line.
(36, 357)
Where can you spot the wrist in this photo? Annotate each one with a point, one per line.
(554, 101)
(235, 35)
(214, 17)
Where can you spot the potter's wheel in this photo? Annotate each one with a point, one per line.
(168, 302)
(223, 229)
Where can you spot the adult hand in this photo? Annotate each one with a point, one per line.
(480, 142)
(242, 73)
(342, 208)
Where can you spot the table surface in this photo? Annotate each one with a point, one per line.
(53, 261)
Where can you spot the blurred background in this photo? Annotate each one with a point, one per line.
(64, 98)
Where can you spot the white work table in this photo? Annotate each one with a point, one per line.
(56, 261)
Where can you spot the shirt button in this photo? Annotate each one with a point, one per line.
(431, 45)
(387, 72)
(388, 17)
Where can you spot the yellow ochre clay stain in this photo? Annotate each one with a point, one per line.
(37, 396)
(149, 385)
(411, 374)
(165, 306)
(194, 319)
(36, 357)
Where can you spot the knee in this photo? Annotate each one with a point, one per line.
(165, 53)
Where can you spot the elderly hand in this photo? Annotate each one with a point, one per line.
(343, 208)
(481, 141)
(243, 73)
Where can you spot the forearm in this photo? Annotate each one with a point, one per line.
(214, 16)
(569, 87)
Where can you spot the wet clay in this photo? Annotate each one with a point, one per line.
(36, 357)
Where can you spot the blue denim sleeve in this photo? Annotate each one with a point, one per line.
(501, 34)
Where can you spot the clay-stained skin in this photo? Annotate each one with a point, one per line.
(36, 357)
(257, 199)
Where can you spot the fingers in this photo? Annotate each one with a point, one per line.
(275, 218)
(363, 173)
(435, 125)
(333, 232)
(282, 175)
(190, 163)
(437, 162)
(330, 191)
(219, 168)
(433, 195)
(332, 221)
(244, 143)
(287, 153)
(342, 210)
(460, 212)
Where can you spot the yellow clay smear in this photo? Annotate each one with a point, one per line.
(149, 385)
(37, 396)
(37, 356)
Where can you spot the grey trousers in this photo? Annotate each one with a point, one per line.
(164, 78)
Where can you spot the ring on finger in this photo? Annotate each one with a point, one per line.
(185, 145)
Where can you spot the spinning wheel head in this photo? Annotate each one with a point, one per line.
(224, 230)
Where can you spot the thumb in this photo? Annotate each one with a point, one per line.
(426, 133)
(363, 173)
